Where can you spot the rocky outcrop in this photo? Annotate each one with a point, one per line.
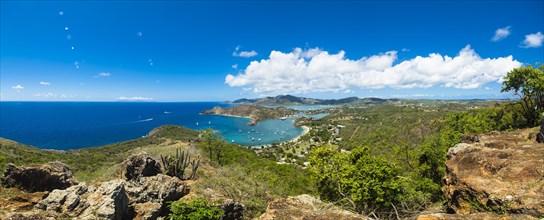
(503, 173)
(146, 198)
(305, 207)
(150, 195)
(47, 177)
(254, 112)
(107, 201)
(64, 201)
(140, 165)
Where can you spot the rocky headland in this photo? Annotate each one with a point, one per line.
(255, 112)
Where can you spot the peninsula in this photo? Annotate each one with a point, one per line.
(255, 112)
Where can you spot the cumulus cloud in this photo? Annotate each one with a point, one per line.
(134, 99)
(235, 66)
(316, 70)
(533, 40)
(45, 83)
(18, 88)
(246, 54)
(501, 33)
(103, 74)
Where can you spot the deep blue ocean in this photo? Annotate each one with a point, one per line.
(73, 125)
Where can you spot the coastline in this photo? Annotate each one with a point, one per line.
(305, 132)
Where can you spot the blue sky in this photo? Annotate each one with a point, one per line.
(225, 50)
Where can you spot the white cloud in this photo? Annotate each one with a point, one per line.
(246, 54)
(533, 40)
(501, 33)
(405, 50)
(315, 70)
(45, 83)
(18, 88)
(235, 66)
(134, 99)
(103, 74)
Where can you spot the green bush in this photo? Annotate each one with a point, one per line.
(357, 179)
(195, 209)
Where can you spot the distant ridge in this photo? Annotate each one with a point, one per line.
(294, 100)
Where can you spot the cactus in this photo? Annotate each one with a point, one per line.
(175, 165)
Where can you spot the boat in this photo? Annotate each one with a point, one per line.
(232, 141)
(252, 139)
(209, 122)
(283, 118)
(165, 112)
(197, 124)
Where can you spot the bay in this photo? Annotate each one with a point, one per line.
(73, 125)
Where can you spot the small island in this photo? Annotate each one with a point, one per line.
(255, 112)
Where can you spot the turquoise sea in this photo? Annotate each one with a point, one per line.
(73, 125)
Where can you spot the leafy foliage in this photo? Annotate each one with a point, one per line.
(527, 83)
(195, 209)
(212, 144)
(252, 180)
(364, 181)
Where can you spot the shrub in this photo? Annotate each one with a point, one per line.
(195, 209)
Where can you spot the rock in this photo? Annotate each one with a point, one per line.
(481, 216)
(305, 207)
(458, 147)
(65, 201)
(109, 201)
(18, 200)
(47, 177)
(31, 215)
(117, 199)
(150, 195)
(233, 211)
(501, 173)
(140, 165)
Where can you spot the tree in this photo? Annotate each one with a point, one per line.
(357, 179)
(527, 83)
(212, 144)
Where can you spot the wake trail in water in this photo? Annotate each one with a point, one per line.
(149, 119)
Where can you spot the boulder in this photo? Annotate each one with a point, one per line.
(109, 201)
(502, 173)
(150, 195)
(66, 201)
(305, 207)
(116, 199)
(47, 177)
(140, 165)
